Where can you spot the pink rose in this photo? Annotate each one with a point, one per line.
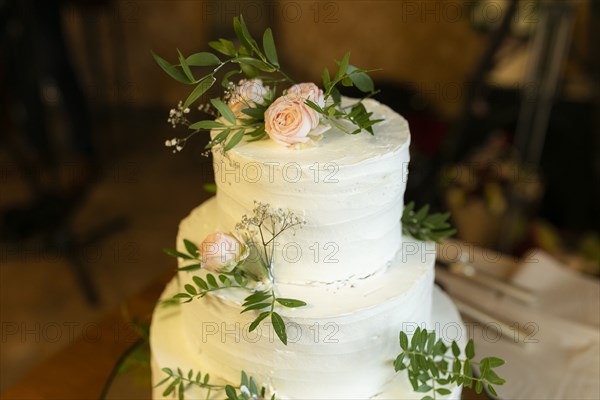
(306, 91)
(221, 252)
(246, 95)
(288, 122)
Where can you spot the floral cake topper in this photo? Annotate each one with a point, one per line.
(260, 100)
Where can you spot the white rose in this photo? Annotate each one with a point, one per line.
(221, 252)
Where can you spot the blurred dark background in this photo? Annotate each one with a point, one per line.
(502, 99)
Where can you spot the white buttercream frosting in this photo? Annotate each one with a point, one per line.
(349, 188)
(362, 281)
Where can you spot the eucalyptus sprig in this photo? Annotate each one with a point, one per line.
(424, 226)
(248, 59)
(179, 382)
(431, 369)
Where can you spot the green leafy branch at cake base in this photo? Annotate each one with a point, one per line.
(431, 370)
(424, 226)
(178, 383)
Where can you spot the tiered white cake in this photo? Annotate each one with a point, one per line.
(362, 280)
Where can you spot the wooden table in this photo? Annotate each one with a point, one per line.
(81, 370)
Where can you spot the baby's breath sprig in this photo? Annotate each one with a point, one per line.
(424, 226)
(179, 382)
(431, 370)
(264, 226)
(258, 233)
(261, 229)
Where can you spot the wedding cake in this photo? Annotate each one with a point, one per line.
(298, 280)
(362, 281)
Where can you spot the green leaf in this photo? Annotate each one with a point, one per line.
(492, 377)
(162, 382)
(191, 267)
(258, 320)
(200, 282)
(423, 340)
(470, 349)
(224, 46)
(234, 140)
(403, 341)
(201, 88)
(206, 124)
(478, 387)
(326, 79)
(255, 112)
(443, 391)
(171, 70)
(177, 254)
(210, 278)
(361, 80)
(242, 33)
(190, 289)
(416, 338)
(495, 362)
(254, 62)
(279, 327)
(430, 342)
(249, 71)
(399, 362)
(455, 349)
(170, 388)
(225, 81)
(257, 306)
(467, 371)
(221, 137)
(314, 106)
(290, 303)
(230, 392)
(492, 390)
(256, 297)
(424, 388)
(186, 68)
(202, 59)
(269, 46)
(342, 67)
(223, 109)
(191, 248)
(225, 280)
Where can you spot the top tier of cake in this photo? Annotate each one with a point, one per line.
(348, 188)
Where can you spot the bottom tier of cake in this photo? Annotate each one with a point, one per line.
(171, 349)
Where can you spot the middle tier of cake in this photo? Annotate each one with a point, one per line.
(340, 345)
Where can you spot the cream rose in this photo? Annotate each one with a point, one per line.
(307, 91)
(246, 95)
(221, 252)
(288, 122)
